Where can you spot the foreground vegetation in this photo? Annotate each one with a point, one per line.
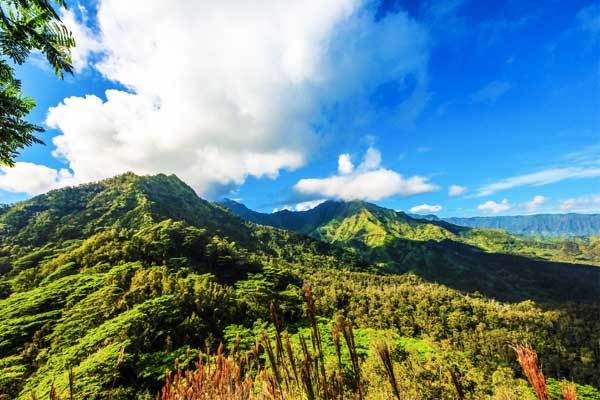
(299, 366)
(106, 285)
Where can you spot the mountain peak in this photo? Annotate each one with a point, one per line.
(354, 218)
(126, 201)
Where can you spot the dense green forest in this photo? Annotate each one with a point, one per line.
(104, 286)
(399, 242)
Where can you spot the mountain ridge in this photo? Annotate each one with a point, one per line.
(494, 262)
(544, 224)
(321, 213)
(570, 224)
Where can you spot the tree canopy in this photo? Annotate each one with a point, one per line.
(27, 26)
(141, 270)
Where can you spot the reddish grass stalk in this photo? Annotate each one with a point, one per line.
(220, 377)
(528, 359)
(266, 342)
(568, 391)
(231, 377)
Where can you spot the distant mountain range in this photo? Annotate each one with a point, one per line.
(537, 225)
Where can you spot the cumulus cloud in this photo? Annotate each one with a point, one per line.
(426, 209)
(494, 208)
(219, 91)
(345, 165)
(369, 181)
(535, 202)
(371, 161)
(33, 179)
(491, 92)
(456, 190)
(86, 42)
(540, 178)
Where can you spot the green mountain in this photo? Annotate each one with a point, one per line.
(338, 221)
(111, 282)
(495, 263)
(536, 225)
(136, 262)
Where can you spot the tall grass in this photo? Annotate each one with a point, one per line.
(215, 377)
(528, 359)
(384, 353)
(568, 391)
(274, 370)
(287, 374)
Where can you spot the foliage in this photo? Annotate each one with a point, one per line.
(26, 26)
(580, 250)
(114, 281)
(489, 261)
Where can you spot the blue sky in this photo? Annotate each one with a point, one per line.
(392, 102)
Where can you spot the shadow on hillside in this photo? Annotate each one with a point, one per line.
(505, 277)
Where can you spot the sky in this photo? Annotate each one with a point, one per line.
(455, 107)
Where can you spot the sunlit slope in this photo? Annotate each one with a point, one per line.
(492, 262)
(139, 264)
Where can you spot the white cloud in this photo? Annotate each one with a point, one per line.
(494, 208)
(371, 161)
(302, 206)
(345, 165)
(219, 91)
(307, 205)
(544, 177)
(491, 92)
(588, 155)
(582, 204)
(369, 182)
(535, 202)
(456, 190)
(33, 179)
(86, 42)
(426, 209)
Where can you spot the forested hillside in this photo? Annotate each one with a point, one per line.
(500, 265)
(103, 286)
